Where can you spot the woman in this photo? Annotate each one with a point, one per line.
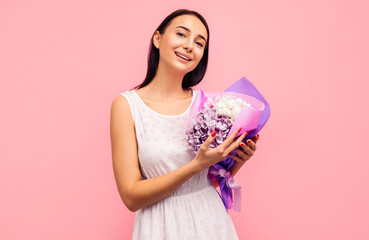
(156, 174)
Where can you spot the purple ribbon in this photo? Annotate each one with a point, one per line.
(226, 184)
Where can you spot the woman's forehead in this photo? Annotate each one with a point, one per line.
(190, 22)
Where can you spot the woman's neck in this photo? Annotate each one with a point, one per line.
(167, 86)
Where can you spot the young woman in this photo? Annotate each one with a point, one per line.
(157, 176)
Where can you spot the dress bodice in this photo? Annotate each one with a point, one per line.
(162, 142)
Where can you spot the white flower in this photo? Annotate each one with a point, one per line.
(209, 103)
(228, 105)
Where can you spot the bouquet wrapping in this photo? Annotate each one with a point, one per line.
(240, 105)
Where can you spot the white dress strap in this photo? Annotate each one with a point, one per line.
(131, 101)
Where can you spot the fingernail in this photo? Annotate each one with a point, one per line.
(239, 129)
(214, 133)
(248, 141)
(241, 144)
(257, 135)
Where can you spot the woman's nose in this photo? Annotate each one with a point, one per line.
(188, 46)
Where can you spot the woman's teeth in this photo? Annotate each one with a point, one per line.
(182, 57)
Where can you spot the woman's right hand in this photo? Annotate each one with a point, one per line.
(207, 156)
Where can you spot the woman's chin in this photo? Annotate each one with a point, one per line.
(183, 69)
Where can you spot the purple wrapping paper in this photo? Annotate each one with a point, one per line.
(216, 172)
(244, 86)
(248, 118)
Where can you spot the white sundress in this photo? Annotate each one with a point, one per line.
(195, 210)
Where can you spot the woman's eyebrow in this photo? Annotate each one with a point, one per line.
(188, 30)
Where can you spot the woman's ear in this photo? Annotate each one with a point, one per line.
(156, 39)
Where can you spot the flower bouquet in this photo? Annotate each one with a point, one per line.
(241, 105)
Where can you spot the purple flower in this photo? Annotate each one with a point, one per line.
(205, 124)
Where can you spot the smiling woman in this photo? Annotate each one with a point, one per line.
(157, 175)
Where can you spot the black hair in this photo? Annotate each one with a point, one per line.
(191, 78)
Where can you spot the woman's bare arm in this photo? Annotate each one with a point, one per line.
(137, 193)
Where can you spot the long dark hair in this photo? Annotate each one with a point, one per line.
(191, 78)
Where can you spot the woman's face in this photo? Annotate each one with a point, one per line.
(183, 43)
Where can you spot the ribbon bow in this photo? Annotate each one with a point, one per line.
(226, 185)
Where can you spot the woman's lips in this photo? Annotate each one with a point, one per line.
(182, 57)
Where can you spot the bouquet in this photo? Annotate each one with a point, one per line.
(241, 105)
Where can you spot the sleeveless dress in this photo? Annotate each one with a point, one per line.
(194, 210)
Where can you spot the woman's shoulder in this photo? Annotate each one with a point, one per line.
(121, 103)
(126, 93)
(126, 96)
(120, 113)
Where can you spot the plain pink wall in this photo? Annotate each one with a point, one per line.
(63, 62)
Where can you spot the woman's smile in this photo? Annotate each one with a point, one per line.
(183, 57)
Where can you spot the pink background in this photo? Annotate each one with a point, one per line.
(63, 62)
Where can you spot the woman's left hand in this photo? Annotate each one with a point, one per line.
(248, 150)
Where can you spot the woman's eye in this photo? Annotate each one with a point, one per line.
(182, 35)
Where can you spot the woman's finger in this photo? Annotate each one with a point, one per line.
(255, 138)
(236, 158)
(251, 144)
(235, 144)
(247, 149)
(243, 155)
(209, 140)
(229, 139)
